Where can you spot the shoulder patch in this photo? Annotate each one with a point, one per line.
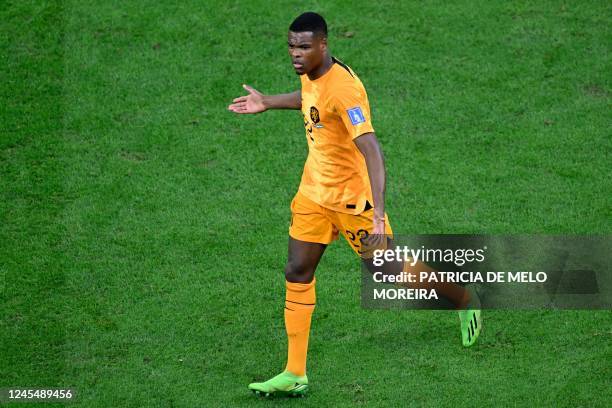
(356, 115)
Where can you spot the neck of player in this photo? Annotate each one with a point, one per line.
(322, 69)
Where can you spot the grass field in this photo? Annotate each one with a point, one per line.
(143, 228)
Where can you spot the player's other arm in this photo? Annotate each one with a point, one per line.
(375, 162)
(256, 102)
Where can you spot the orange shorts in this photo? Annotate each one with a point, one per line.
(311, 222)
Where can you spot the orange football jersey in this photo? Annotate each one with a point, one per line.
(336, 111)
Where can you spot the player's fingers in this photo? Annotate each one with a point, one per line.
(369, 245)
(249, 89)
(374, 241)
(240, 99)
(236, 109)
(240, 109)
(237, 105)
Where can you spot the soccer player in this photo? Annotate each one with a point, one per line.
(342, 190)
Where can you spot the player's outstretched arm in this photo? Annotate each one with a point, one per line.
(256, 102)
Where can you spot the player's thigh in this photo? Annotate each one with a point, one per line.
(309, 233)
(357, 228)
(303, 259)
(310, 223)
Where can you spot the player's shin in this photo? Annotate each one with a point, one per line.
(299, 306)
(455, 293)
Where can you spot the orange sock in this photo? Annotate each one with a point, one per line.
(299, 305)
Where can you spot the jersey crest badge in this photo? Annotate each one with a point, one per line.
(356, 115)
(314, 114)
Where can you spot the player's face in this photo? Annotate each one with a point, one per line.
(306, 51)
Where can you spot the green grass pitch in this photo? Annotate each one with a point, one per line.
(143, 228)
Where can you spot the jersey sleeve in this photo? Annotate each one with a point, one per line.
(351, 103)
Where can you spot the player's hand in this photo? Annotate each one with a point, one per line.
(376, 239)
(251, 103)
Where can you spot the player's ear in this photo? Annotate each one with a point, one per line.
(323, 43)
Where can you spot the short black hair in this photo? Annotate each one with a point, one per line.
(309, 21)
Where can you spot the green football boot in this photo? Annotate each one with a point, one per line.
(285, 384)
(471, 319)
(471, 324)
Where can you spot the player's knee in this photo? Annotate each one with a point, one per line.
(298, 272)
